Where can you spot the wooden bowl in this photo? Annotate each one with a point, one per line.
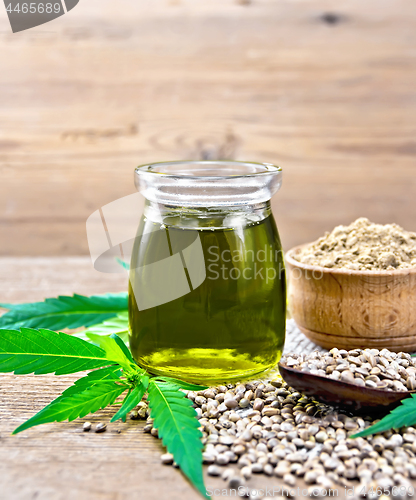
(353, 309)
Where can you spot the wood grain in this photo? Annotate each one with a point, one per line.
(87, 97)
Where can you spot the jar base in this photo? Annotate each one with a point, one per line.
(205, 366)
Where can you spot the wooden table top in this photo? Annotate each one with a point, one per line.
(59, 461)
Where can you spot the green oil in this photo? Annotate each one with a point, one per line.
(231, 326)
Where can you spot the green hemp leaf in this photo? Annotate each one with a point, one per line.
(181, 383)
(114, 372)
(116, 350)
(402, 416)
(78, 404)
(175, 419)
(132, 399)
(43, 351)
(93, 378)
(65, 312)
(118, 325)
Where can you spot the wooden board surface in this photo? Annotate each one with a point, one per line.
(85, 98)
(59, 461)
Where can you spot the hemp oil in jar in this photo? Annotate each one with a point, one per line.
(207, 292)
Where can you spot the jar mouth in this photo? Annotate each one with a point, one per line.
(202, 169)
(208, 183)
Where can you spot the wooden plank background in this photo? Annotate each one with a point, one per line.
(325, 89)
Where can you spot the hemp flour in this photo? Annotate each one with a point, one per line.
(362, 246)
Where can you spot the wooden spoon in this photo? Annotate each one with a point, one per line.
(335, 392)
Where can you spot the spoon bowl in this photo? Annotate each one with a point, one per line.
(337, 393)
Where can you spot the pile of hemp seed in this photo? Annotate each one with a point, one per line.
(266, 427)
(362, 246)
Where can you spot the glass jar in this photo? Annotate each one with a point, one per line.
(207, 293)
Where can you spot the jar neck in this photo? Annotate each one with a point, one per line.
(206, 217)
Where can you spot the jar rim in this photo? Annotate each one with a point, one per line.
(252, 169)
(208, 182)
